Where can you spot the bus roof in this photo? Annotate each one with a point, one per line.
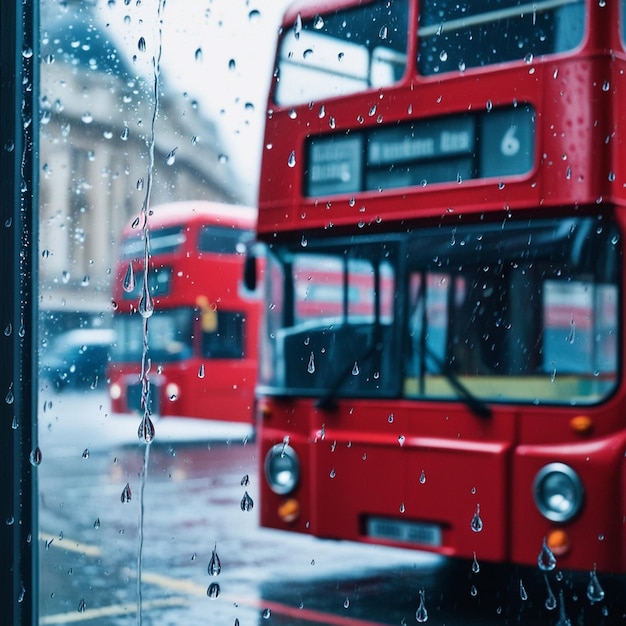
(202, 211)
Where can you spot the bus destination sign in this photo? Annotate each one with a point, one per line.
(488, 144)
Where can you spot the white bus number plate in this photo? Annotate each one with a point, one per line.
(406, 532)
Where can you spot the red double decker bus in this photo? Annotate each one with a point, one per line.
(443, 201)
(203, 333)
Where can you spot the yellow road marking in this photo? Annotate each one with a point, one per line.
(108, 611)
(53, 541)
(184, 586)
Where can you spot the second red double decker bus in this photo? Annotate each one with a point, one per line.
(203, 332)
(443, 202)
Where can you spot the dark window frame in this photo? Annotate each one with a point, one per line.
(18, 312)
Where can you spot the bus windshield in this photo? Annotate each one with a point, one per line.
(522, 311)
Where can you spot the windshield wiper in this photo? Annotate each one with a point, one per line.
(327, 400)
(475, 405)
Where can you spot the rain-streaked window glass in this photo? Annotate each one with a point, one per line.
(331, 324)
(527, 312)
(353, 50)
(454, 36)
(151, 485)
(533, 316)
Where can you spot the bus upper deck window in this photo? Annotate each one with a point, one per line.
(454, 36)
(345, 52)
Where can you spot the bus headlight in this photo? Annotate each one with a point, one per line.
(115, 391)
(558, 492)
(282, 468)
(172, 391)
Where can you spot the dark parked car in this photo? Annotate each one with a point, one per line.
(78, 358)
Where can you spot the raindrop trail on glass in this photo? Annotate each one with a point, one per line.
(146, 428)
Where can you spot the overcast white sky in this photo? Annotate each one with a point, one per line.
(218, 51)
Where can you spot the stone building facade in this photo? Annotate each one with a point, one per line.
(97, 139)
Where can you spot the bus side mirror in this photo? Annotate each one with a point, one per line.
(250, 271)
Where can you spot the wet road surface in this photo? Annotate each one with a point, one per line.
(198, 476)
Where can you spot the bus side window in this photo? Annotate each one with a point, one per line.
(225, 338)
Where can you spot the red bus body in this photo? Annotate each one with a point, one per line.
(202, 336)
(418, 463)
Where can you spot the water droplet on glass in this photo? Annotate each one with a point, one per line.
(146, 431)
(213, 590)
(146, 306)
(141, 44)
(475, 565)
(489, 105)
(215, 565)
(477, 523)
(126, 493)
(421, 615)
(245, 481)
(443, 56)
(550, 602)
(422, 477)
(82, 606)
(522, 591)
(10, 397)
(291, 162)
(96, 524)
(267, 613)
(86, 453)
(201, 371)
(198, 55)
(346, 603)
(8, 330)
(473, 591)
(247, 503)
(383, 32)
(401, 440)
(311, 366)
(595, 593)
(572, 331)
(546, 559)
(35, 456)
(170, 159)
(297, 26)
(355, 369)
